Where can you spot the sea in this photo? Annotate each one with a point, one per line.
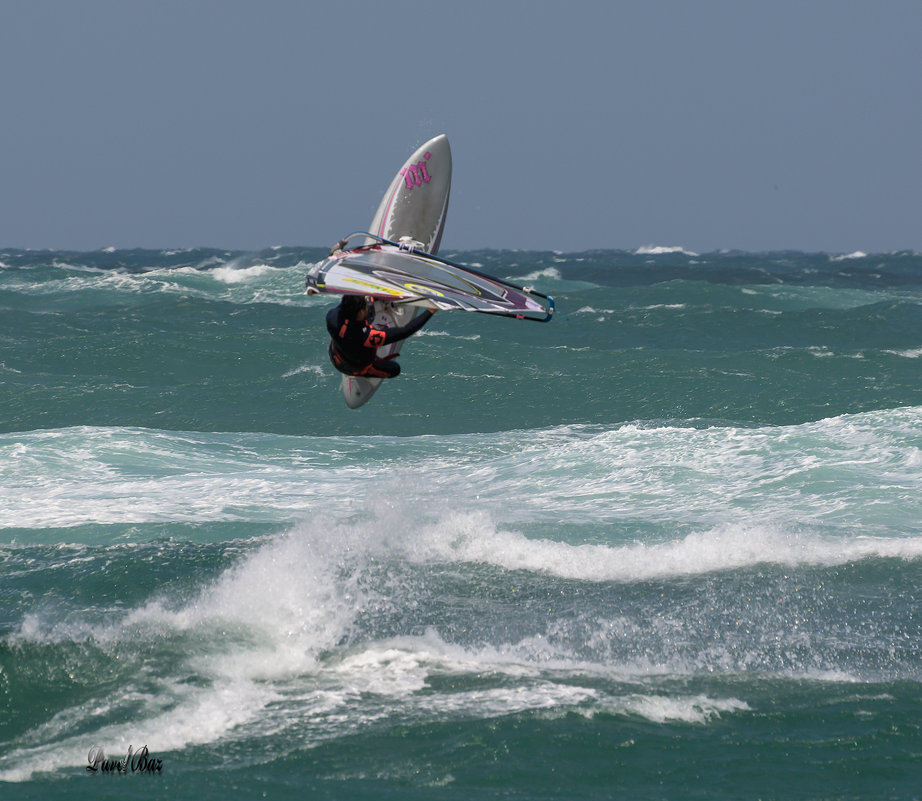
(667, 545)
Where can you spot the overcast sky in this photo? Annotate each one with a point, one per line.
(706, 124)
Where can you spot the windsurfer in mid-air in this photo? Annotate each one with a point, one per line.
(354, 342)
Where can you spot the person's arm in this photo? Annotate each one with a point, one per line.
(404, 331)
(384, 336)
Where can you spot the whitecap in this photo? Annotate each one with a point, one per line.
(666, 708)
(313, 369)
(659, 250)
(910, 353)
(230, 274)
(547, 272)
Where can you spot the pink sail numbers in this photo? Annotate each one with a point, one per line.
(417, 174)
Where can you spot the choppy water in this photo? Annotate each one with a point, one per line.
(668, 545)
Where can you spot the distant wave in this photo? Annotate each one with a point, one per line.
(233, 274)
(658, 250)
(547, 272)
(473, 538)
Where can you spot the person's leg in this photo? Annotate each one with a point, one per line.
(382, 369)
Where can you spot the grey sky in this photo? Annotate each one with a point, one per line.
(574, 125)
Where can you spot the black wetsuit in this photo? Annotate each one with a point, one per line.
(354, 344)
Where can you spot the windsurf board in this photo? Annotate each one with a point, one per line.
(413, 210)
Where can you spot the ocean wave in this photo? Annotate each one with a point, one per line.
(663, 524)
(666, 478)
(551, 273)
(343, 626)
(698, 709)
(475, 538)
(233, 274)
(659, 250)
(267, 647)
(909, 353)
(238, 280)
(310, 369)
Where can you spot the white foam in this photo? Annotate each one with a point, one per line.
(197, 717)
(593, 310)
(271, 652)
(263, 621)
(313, 369)
(383, 669)
(814, 476)
(699, 709)
(296, 594)
(547, 272)
(911, 353)
(658, 250)
(427, 332)
(400, 670)
(214, 278)
(232, 274)
(74, 476)
(473, 537)
(497, 702)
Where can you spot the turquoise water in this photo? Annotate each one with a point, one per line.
(668, 545)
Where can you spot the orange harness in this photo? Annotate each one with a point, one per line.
(384, 368)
